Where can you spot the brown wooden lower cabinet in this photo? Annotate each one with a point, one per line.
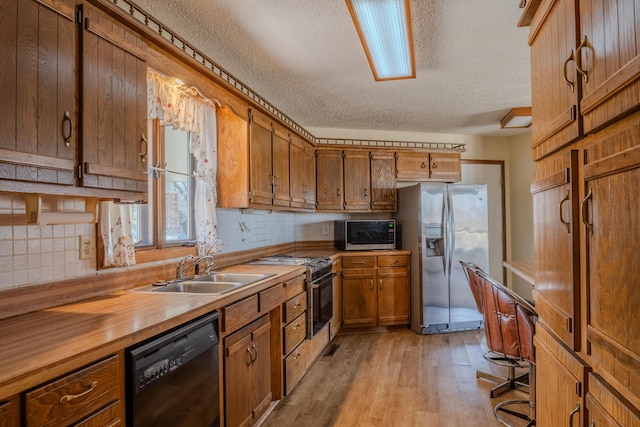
(247, 373)
(606, 407)
(560, 398)
(375, 296)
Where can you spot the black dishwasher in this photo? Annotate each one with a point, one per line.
(173, 379)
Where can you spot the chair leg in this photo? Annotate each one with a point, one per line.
(531, 415)
(521, 382)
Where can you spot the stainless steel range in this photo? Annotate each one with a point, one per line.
(319, 280)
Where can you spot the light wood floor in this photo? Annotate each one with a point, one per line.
(396, 378)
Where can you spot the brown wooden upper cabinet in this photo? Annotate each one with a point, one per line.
(609, 55)
(428, 166)
(302, 174)
(356, 180)
(38, 136)
(262, 165)
(329, 181)
(268, 162)
(48, 137)
(114, 105)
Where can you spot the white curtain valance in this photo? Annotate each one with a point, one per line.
(181, 107)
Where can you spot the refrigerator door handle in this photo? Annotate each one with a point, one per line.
(452, 230)
(446, 226)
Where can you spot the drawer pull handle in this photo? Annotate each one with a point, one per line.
(572, 413)
(565, 223)
(584, 209)
(67, 137)
(297, 306)
(358, 262)
(69, 397)
(296, 327)
(423, 166)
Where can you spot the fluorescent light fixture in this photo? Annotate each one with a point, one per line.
(519, 117)
(384, 27)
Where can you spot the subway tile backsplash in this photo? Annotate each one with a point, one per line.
(31, 254)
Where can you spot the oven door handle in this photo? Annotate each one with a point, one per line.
(316, 283)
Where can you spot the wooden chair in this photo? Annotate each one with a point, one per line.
(511, 381)
(510, 327)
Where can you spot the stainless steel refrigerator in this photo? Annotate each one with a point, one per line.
(442, 224)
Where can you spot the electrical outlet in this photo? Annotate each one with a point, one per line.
(85, 247)
(325, 229)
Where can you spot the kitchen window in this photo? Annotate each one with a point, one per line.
(170, 194)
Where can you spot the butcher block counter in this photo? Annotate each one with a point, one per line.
(39, 346)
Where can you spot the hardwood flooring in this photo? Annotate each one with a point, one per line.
(397, 378)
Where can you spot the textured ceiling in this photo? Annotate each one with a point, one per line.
(305, 57)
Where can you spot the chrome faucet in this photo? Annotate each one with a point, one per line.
(208, 265)
(195, 265)
(180, 267)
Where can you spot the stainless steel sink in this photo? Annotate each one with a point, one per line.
(215, 283)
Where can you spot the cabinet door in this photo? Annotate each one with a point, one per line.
(114, 105)
(606, 408)
(393, 296)
(554, 84)
(238, 381)
(359, 303)
(281, 195)
(261, 389)
(560, 386)
(445, 167)
(556, 206)
(260, 159)
(310, 176)
(329, 179)
(383, 181)
(39, 131)
(411, 166)
(610, 58)
(357, 189)
(610, 217)
(298, 174)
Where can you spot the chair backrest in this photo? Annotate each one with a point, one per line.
(470, 270)
(509, 320)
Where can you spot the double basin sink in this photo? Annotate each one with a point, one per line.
(215, 283)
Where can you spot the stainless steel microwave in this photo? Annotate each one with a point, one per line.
(355, 235)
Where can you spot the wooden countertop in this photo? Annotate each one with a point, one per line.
(39, 346)
(524, 268)
(42, 345)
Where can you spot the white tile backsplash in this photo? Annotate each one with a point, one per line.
(32, 254)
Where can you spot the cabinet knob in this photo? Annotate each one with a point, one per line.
(423, 165)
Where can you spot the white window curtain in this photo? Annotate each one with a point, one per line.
(183, 108)
(115, 228)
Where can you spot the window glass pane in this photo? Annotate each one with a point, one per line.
(142, 220)
(179, 185)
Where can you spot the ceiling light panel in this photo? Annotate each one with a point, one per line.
(384, 27)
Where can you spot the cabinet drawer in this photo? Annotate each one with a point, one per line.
(294, 307)
(293, 287)
(295, 366)
(271, 298)
(294, 333)
(358, 262)
(107, 417)
(393, 261)
(10, 412)
(75, 396)
(238, 314)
